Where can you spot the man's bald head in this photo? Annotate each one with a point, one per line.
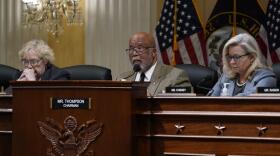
(143, 53)
(145, 38)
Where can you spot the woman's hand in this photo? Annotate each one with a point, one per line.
(27, 75)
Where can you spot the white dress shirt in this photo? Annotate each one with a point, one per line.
(148, 74)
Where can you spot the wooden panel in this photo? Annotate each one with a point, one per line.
(5, 125)
(209, 125)
(233, 104)
(111, 105)
(152, 129)
(206, 125)
(219, 147)
(5, 144)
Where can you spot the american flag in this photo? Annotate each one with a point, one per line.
(189, 44)
(273, 29)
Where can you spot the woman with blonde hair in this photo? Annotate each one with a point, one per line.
(243, 71)
(37, 62)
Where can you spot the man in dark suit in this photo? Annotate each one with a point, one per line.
(143, 57)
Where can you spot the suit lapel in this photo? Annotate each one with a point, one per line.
(156, 78)
(158, 73)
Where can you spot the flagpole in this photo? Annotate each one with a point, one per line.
(262, 5)
(175, 45)
(234, 31)
(198, 11)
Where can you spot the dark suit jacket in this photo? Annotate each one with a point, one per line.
(162, 77)
(51, 73)
(54, 73)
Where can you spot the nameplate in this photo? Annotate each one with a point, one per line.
(178, 89)
(268, 90)
(70, 103)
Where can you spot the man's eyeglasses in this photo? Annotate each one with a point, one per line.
(32, 62)
(235, 57)
(139, 50)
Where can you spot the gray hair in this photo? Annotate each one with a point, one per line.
(40, 47)
(250, 46)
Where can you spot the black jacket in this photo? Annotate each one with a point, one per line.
(54, 73)
(51, 73)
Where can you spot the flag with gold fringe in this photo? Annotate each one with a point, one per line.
(231, 17)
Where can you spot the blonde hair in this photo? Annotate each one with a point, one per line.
(250, 46)
(40, 47)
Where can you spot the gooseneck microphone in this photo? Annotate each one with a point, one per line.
(136, 67)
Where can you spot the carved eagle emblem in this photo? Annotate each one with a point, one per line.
(71, 137)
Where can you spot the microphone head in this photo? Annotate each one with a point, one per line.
(136, 67)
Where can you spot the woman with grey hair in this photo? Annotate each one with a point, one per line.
(243, 71)
(36, 58)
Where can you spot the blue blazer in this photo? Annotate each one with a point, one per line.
(260, 78)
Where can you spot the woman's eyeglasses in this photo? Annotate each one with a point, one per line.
(235, 58)
(32, 62)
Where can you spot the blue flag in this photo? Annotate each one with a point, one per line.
(231, 17)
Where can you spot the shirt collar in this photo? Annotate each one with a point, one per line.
(148, 74)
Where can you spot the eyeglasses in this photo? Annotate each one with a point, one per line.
(235, 58)
(139, 50)
(32, 62)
